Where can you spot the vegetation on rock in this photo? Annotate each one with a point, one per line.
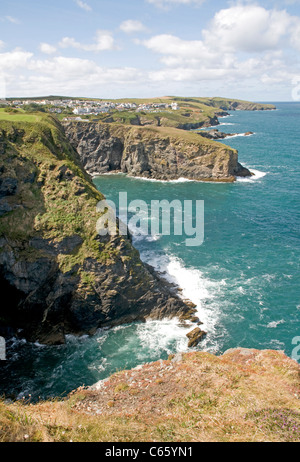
(241, 396)
(60, 275)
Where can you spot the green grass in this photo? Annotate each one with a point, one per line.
(20, 116)
(60, 201)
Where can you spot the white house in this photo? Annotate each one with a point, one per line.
(80, 110)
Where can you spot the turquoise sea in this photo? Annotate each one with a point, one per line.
(244, 278)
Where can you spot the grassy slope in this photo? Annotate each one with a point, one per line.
(218, 102)
(20, 116)
(244, 395)
(185, 136)
(52, 206)
(189, 113)
(192, 111)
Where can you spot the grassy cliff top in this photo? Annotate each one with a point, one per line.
(227, 103)
(207, 101)
(191, 113)
(54, 198)
(241, 396)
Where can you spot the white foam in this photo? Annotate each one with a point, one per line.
(97, 175)
(274, 324)
(227, 123)
(163, 335)
(193, 284)
(143, 178)
(215, 127)
(236, 135)
(154, 180)
(179, 180)
(257, 175)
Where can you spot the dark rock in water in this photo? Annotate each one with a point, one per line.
(242, 171)
(195, 337)
(217, 135)
(214, 134)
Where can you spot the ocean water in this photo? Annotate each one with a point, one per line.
(244, 278)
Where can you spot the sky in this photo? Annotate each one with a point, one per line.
(110, 49)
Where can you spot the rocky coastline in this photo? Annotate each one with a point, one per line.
(152, 152)
(215, 134)
(59, 275)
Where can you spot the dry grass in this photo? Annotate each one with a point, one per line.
(244, 395)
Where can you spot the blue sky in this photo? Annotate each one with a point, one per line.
(147, 48)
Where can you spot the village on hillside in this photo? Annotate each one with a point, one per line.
(88, 107)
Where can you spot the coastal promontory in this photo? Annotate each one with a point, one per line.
(59, 276)
(162, 153)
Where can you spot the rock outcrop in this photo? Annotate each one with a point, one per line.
(217, 135)
(195, 337)
(154, 152)
(58, 274)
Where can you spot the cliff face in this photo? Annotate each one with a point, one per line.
(152, 152)
(58, 275)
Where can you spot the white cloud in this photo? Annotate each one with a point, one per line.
(244, 49)
(248, 28)
(2, 44)
(178, 49)
(14, 59)
(62, 75)
(25, 75)
(165, 4)
(242, 28)
(47, 49)
(83, 5)
(130, 25)
(61, 67)
(295, 35)
(69, 42)
(103, 41)
(243, 43)
(182, 74)
(12, 20)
